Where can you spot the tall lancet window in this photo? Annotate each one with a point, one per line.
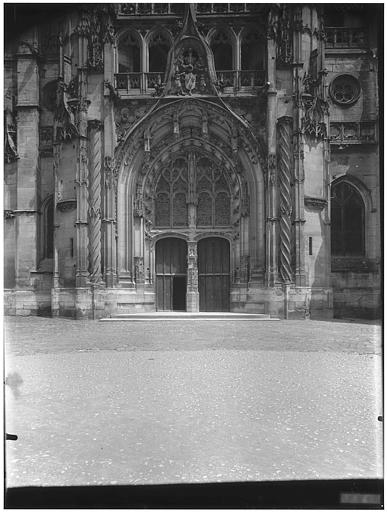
(214, 202)
(171, 196)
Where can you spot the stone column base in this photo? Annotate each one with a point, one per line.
(192, 299)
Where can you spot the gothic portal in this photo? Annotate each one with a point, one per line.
(192, 157)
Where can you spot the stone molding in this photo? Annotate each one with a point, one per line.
(315, 203)
(66, 205)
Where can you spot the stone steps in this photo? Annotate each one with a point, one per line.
(183, 315)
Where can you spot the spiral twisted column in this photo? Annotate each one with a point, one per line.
(95, 202)
(285, 202)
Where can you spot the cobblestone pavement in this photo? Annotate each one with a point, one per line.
(169, 402)
(45, 335)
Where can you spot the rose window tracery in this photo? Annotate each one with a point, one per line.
(345, 90)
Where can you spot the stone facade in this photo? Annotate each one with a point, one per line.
(250, 127)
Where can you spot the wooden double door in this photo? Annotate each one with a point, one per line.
(171, 274)
(213, 272)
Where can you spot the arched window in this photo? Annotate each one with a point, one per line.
(222, 49)
(347, 220)
(252, 52)
(171, 196)
(252, 60)
(213, 196)
(48, 228)
(214, 202)
(158, 52)
(129, 54)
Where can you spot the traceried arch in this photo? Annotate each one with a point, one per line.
(171, 196)
(222, 49)
(214, 200)
(159, 46)
(129, 53)
(212, 190)
(252, 59)
(252, 51)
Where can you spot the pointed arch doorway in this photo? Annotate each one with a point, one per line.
(214, 274)
(171, 274)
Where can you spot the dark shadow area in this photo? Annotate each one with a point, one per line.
(21, 17)
(325, 494)
(179, 293)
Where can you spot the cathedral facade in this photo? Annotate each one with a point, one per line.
(193, 157)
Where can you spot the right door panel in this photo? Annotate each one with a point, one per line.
(214, 274)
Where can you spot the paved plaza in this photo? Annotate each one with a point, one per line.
(191, 401)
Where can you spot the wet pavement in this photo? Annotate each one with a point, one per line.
(124, 403)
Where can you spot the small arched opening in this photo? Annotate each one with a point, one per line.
(347, 220)
(222, 50)
(252, 60)
(129, 54)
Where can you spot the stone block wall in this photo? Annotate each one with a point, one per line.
(27, 302)
(356, 295)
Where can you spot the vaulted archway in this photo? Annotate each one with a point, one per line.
(190, 169)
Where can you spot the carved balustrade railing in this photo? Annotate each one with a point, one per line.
(227, 78)
(241, 79)
(343, 37)
(251, 78)
(171, 9)
(154, 79)
(130, 81)
(353, 133)
(216, 8)
(150, 83)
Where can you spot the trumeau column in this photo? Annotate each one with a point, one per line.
(192, 258)
(95, 231)
(271, 190)
(192, 277)
(28, 161)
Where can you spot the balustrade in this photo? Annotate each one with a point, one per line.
(156, 9)
(251, 78)
(352, 133)
(149, 83)
(343, 37)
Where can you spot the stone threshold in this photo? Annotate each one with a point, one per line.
(183, 315)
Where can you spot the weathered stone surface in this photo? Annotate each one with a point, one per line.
(98, 145)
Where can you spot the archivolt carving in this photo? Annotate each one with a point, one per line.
(214, 114)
